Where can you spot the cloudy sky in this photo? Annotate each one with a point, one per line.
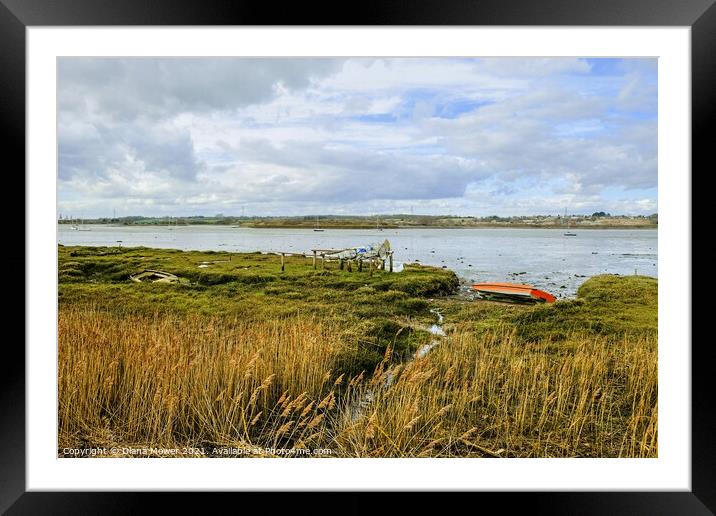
(503, 136)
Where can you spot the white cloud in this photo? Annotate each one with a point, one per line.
(205, 135)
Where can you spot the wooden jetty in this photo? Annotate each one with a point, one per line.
(374, 258)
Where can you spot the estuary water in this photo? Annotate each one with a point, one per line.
(544, 258)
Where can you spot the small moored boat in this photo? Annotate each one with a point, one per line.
(512, 292)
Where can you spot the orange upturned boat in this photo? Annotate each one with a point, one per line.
(513, 292)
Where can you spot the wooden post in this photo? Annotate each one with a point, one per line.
(340, 264)
(371, 266)
(390, 256)
(382, 265)
(282, 262)
(323, 261)
(350, 267)
(314, 260)
(360, 265)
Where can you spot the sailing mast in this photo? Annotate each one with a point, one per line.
(567, 222)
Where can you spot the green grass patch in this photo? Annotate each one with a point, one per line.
(370, 307)
(608, 305)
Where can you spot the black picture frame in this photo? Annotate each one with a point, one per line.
(16, 15)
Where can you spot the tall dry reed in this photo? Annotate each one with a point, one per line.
(192, 381)
(491, 395)
(197, 381)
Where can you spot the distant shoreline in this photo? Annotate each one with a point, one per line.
(481, 226)
(598, 220)
(293, 226)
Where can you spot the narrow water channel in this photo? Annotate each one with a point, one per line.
(362, 403)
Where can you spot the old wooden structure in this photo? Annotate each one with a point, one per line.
(352, 258)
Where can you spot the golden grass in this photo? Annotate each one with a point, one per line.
(490, 395)
(168, 381)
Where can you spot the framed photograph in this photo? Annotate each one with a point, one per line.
(445, 249)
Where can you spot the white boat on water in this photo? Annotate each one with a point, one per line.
(82, 227)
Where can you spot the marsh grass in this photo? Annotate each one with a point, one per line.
(368, 310)
(198, 382)
(191, 381)
(245, 355)
(490, 396)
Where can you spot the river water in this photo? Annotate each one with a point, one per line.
(544, 258)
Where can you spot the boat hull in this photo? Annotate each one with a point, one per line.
(512, 293)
